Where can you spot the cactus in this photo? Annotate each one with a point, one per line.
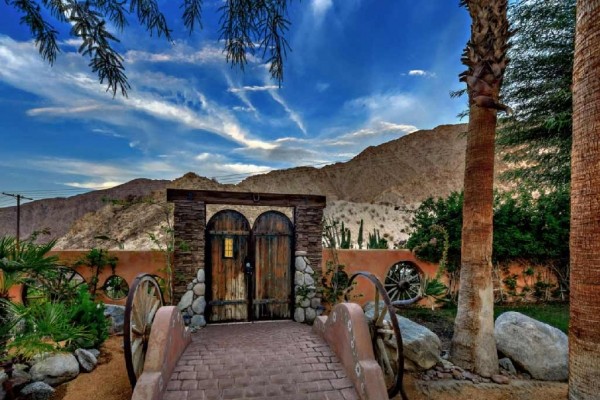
(376, 242)
(360, 238)
(346, 241)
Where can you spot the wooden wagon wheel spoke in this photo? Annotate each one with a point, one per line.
(143, 301)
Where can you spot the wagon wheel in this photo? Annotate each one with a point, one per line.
(58, 284)
(403, 281)
(386, 338)
(144, 299)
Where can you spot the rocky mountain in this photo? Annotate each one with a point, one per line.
(381, 186)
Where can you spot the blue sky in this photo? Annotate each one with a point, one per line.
(361, 73)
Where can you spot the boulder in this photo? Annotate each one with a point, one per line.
(116, 314)
(198, 321)
(421, 346)
(534, 346)
(200, 276)
(55, 369)
(86, 359)
(199, 305)
(95, 352)
(310, 315)
(300, 264)
(186, 300)
(199, 289)
(299, 314)
(37, 391)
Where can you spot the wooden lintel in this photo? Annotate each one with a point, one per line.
(247, 198)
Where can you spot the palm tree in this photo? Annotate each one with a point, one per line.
(473, 344)
(584, 334)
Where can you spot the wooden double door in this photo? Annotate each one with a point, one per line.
(249, 269)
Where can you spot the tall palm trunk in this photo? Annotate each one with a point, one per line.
(584, 330)
(473, 344)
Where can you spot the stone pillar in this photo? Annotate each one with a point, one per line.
(308, 223)
(188, 275)
(308, 304)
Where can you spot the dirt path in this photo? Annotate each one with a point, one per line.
(107, 382)
(453, 390)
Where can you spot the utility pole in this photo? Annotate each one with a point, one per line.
(18, 197)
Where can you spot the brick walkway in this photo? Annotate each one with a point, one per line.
(274, 360)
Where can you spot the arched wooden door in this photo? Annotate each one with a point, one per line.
(273, 235)
(228, 240)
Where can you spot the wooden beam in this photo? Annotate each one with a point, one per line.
(247, 198)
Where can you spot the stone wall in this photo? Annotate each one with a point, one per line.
(308, 302)
(308, 221)
(189, 226)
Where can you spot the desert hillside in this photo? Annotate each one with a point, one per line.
(380, 186)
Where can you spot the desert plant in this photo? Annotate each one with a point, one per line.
(85, 312)
(97, 260)
(335, 282)
(360, 240)
(376, 242)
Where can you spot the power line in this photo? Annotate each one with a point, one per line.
(18, 197)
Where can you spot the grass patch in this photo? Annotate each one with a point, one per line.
(555, 314)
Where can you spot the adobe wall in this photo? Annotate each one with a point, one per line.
(129, 265)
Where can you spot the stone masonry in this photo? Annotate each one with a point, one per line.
(189, 278)
(308, 223)
(308, 304)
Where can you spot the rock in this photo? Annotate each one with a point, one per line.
(308, 280)
(199, 289)
(95, 352)
(538, 348)
(300, 264)
(507, 365)
(500, 379)
(315, 302)
(189, 286)
(55, 369)
(304, 303)
(456, 374)
(200, 275)
(312, 293)
(37, 391)
(194, 281)
(310, 315)
(309, 270)
(198, 321)
(87, 360)
(186, 300)
(116, 314)
(299, 278)
(420, 344)
(299, 315)
(199, 305)
(20, 377)
(3, 377)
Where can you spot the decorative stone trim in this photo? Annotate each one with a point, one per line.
(307, 304)
(193, 302)
(347, 332)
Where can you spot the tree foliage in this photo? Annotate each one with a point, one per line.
(525, 228)
(247, 26)
(537, 85)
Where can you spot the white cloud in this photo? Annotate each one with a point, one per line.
(55, 111)
(94, 185)
(322, 86)
(294, 116)
(179, 53)
(319, 9)
(252, 88)
(421, 72)
(243, 96)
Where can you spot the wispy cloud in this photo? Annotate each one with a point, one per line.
(421, 72)
(56, 111)
(319, 8)
(294, 116)
(252, 88)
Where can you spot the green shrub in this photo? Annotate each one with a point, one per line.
(86, 312)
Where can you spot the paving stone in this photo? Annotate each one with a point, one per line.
(274, 360)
